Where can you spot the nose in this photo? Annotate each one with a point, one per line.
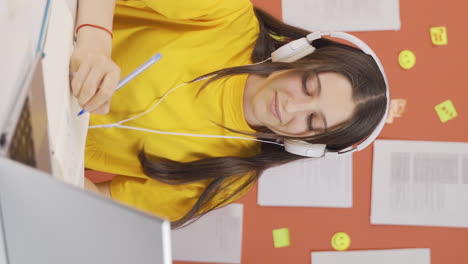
(299, 105)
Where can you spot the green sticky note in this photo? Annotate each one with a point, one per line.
(446, 111)
(281, 238)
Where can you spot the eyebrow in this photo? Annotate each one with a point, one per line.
(319, 90)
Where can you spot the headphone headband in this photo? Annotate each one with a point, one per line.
(366, 49)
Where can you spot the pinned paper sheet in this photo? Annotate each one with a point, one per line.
(420, 183)
(281, 238)
(397, 108)
(342, 15)
(215, 237)
(439, 36)
(407, 59)
(446, 111)
(388, 256)
(323, 182)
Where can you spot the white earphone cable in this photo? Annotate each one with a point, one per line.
(119, 123)
(193, 135)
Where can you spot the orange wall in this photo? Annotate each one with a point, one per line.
(440, 73)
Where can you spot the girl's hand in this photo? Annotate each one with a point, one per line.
(94, 76)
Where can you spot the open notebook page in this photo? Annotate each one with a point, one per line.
(67, 131)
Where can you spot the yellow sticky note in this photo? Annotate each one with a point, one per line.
(446, 111)
(340, 241)
(407, 59)
(281, 237)
(439, 36)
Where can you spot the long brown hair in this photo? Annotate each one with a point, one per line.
(221, 173)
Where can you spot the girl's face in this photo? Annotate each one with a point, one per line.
(285, 104)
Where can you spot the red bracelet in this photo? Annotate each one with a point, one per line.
(94, 26)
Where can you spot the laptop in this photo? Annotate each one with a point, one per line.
(23, 112)
(43, 220)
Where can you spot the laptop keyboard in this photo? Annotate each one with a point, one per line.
(22, 147)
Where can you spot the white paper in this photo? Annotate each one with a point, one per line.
(389, 256)
(72, 5)
(15, 5)
(215, 237)
(67, 131)
(309, 182)
(420, 183)
(342, 15)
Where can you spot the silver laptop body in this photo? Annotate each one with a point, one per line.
(44, 220)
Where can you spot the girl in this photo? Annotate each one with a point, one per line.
(216, 54)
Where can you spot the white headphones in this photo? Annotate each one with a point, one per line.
(302, 47)
(292, 51)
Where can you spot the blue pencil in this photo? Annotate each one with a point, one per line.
(133, 74)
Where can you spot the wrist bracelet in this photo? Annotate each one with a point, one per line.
(94, 26)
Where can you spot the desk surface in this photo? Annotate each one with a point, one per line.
(440, 74)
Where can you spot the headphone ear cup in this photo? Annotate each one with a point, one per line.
(305, 149)
(292, 51)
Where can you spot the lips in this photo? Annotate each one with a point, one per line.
(275, 107)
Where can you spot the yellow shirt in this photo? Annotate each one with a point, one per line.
(194, 38)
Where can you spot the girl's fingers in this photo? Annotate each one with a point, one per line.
(103, 109)
(78, 77)
(105, 91)
(90, 85)
(94, 80)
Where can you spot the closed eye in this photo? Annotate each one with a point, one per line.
(304, 84)
(309, 122)
(317, 90)
(317, 86)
